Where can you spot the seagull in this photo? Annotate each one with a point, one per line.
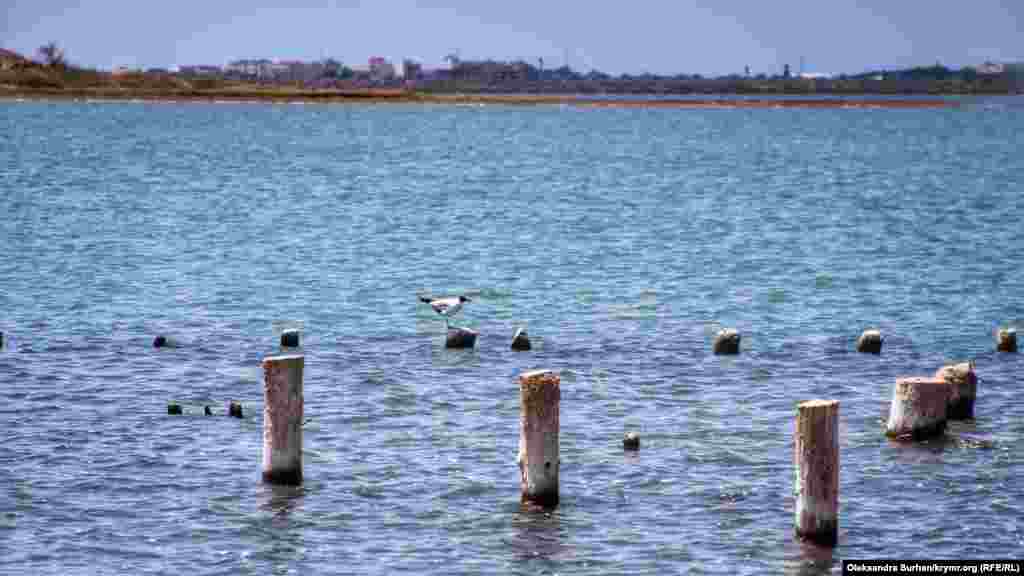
(446, 307)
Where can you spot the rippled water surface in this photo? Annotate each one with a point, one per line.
(623, 239)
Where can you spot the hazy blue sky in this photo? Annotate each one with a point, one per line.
(704, 36)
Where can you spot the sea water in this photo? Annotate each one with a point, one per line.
(622, 239)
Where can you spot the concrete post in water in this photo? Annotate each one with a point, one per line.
(521, 340)
(540, 396)
(816, 456)
(727, 342)
(963, 389)
(460, 338)
(290, 338)
(282, 419)
(918, 409)
(1006, 340)
(870, 342)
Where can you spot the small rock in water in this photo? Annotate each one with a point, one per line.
(174, 408)
(870, 342)
(235, 409)
(290, 338)
(521, 340)
(631, 441)
(460, 338)
(727, 342)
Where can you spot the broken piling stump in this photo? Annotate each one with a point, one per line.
(290, 338)
(521, 340)
(816, 457)
(539, 463)
(918, 409)
(460, 338)
(282, 419)
(870, 342)
(963, 389)
(1006, 340)
(727, 342)
(631, 441)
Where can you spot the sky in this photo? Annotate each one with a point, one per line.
(710, 37)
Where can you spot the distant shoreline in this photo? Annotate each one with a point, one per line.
(407, 97)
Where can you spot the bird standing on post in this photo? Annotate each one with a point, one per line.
(446, 307)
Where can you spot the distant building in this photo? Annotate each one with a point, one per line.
(381, 69)
(411, 69)
(258, 69)
(200, 70)
(990, 68)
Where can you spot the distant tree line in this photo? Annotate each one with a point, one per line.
(490, 76)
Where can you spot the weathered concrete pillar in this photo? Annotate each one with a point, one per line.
(727, 342)
(963, 389)
(1006, 340)
(282, 419)
(521, 340)
(918, 409)
(290, 338)
(870, 342)
(460, 338)
(540, 396)
(816, 456)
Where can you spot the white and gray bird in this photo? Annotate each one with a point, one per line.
(446, 307)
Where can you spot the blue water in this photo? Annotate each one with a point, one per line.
(622, 238)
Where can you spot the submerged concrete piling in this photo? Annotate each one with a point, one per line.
(870, 342)
(521, 340)
(816, 456)
(963, 389)
(727, 342)
(460, 338)
(290, 338)
(282, 419)
(540, 398)
(1006, 340)
(918, 409)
